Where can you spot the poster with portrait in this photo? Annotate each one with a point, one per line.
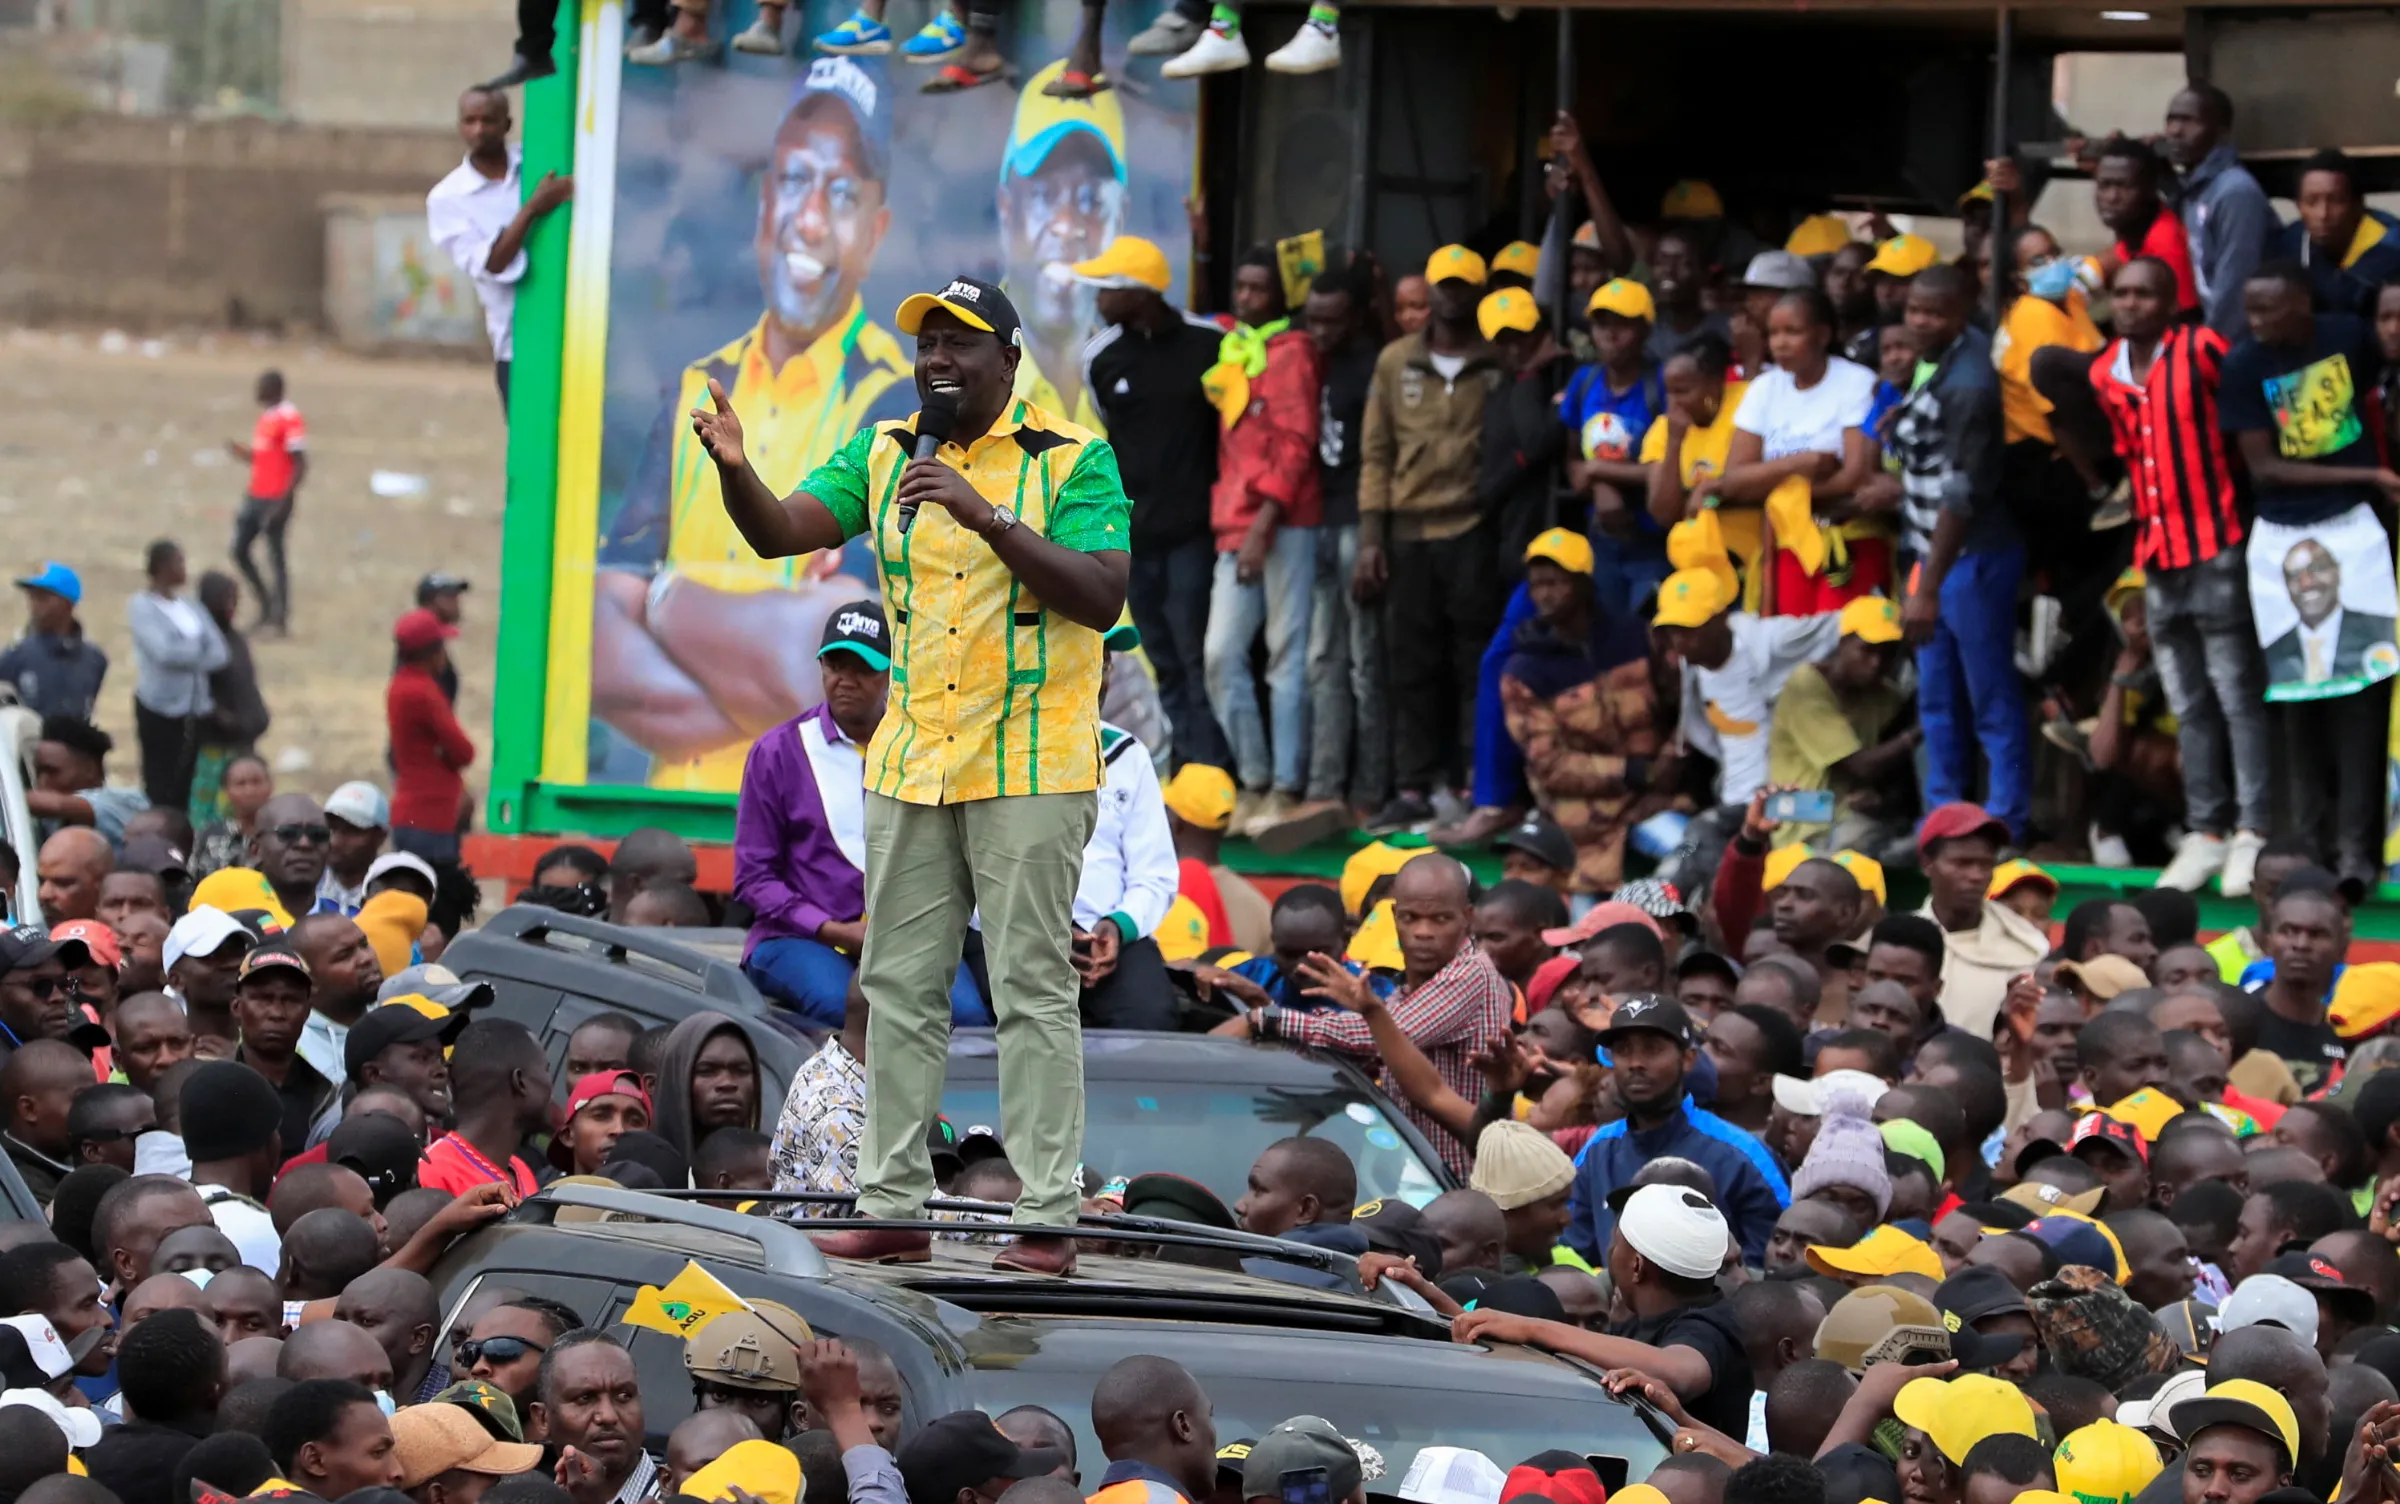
(2323, 599)
(763, 218)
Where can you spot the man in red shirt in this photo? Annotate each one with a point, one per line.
(501, 1082)
(277, 455)
(429, 748)
(2125, 190)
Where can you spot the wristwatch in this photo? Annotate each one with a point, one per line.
(1002, 520)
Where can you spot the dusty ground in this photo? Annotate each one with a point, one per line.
(108, 442)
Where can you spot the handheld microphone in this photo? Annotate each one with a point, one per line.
(934, 425)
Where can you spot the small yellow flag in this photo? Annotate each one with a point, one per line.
(1299, 258)
(690, 1301)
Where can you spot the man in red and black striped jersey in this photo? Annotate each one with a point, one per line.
(2157, 382)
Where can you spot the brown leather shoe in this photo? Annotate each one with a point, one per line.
(1037, 1254)
(876, 1245)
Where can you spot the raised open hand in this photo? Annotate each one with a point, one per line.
(719, 428)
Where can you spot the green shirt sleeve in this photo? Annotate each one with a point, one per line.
(1812, 730)
(841, 482)
(1091, 514)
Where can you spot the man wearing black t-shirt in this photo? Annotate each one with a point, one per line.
(2308, 933)
(1669, 1243)
(1143, 373)
(2294, 395)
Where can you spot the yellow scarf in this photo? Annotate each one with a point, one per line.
(1241, 359)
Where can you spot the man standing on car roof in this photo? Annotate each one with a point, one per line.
(982, 779)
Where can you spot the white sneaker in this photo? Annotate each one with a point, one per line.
(1312, 49)
(1215, 52)
(2200, 857)
(2241, 863)
(1171, 33)
(761, 39)
(2109, 851)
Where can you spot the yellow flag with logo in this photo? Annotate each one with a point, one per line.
(690, 1301)
(1298, 259)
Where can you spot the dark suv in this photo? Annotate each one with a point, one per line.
(965, 1335)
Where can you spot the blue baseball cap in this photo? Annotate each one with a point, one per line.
(861, 85)
(56, 578)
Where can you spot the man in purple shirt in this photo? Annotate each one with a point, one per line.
(800, 835)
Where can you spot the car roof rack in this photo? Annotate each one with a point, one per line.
(703, 973)
(787, 1248)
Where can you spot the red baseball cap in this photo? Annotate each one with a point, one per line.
(1954, 820)
(607, 1084)
(2099, 1127)
(93, 936)
(420, 629)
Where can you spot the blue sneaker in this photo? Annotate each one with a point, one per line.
(860, 36)
(938, 40)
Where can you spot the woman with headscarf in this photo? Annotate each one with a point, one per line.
(708, 1078)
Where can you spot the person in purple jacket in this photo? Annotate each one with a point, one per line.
(800, 833)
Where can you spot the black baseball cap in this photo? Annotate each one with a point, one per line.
(964, 1449)
(1176, 1198)
(1395, 1227)
(1541, 838)
(388, 1024)
(25, 945)
(272, 958)
(1651, 1012)
(1969, 1296)
(2315, 1273)
(441, 582)
(981, 304)
(380, 1148)
(1715, 963)
(858, 628)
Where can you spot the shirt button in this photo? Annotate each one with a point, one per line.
(954, 631)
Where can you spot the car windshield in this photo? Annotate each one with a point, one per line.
(1213, 1132)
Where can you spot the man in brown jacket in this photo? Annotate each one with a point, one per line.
(1422, 535)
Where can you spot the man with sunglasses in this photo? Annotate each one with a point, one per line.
(507, 1346)
(103, 1122)
(36, 995)
(290, 845)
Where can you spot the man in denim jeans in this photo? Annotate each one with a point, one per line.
(1264, 512)
(2157, 382)
(1350, 747)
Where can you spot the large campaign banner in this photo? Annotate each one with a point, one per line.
(756, 220)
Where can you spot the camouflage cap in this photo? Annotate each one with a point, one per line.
(496, 1410)
(2094, 1330)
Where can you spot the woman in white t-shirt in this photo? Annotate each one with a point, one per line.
(1807, 417)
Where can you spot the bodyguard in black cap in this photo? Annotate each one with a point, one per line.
(1991, 1327)
(33, 988)
(400, 1046)
(962, 1458)
(988, 783)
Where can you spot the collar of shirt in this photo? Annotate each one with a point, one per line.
(641, 1483)
(18, 1147)
(469, 178)
(1130, 1471)
(805, 375)
(321, 1044)
(823, 715)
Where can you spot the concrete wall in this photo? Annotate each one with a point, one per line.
(389, 62)
(145, 222)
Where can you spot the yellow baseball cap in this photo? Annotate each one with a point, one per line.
(2131, 583)
(1455, 263)
(762, 1469)
(1522, 257)
(1201, 795)
(2147, 1111)
(1886, 1250)
(1509, 308)
(234, 889)
(1042, 121)
(1638, 1493)
(1957, 1413)
(1818, 235)
(2010, 873)
(1872, 617)
(2106, 1463)
(1691, 598)
(1183, 933)
(1904, 256)
(1780, 863)
(1693, 198)
(1868, 872)
(1376, 945)
(1369, 862)
(2240, 1402)
(2365, 998)
(1570, 551)
(1625, 298)
(1129, 261)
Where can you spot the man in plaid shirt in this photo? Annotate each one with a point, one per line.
(1451, 999)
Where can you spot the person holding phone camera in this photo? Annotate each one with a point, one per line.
(1841, 741)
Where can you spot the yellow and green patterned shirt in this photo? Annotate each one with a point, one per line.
(992, 693)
